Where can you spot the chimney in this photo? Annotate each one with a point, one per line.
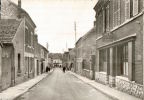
(19, 3)
(19, 8)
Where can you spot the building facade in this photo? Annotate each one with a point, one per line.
(43, 59)
(71, 59)
(119, 49)
(85, 54)
(17, 36)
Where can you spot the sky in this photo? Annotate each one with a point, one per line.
(55, 21)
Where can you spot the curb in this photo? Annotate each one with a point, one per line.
(110, 96)
(15, 98)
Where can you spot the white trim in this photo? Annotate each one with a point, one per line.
(103, 73)
(127, 21)
(27, 54)
(133, 35)
(123, 78)
(87, 70)
(99, 38)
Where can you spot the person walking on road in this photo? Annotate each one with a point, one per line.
(47, 69)
(64, 69)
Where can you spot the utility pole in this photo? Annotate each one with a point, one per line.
(75, 29)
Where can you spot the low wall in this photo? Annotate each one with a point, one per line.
(129, 87)
(101, 77)
(87, 73)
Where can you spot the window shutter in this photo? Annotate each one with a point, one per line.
(118, 12)
(127, 9)
(107, 18)
(135, 7)
(103, 20)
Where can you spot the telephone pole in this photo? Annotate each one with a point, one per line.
(75, 29)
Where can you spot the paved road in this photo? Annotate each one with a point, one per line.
(62, 86)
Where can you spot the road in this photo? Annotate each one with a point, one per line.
(62, 86)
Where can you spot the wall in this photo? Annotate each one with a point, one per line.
(18, 43)
(7, 60)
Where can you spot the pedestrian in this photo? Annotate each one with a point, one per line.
(64, 69)
(47, 69)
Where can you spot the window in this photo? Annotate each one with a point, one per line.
(26, 35)
(127, 9)
(32, 39)
(135, 7)
(103, 20)
(123, 56)
(107, 18)
(29, 38)
(100, 23)
(103, 60)
(116, 13)
(125, 60)
(19, 65)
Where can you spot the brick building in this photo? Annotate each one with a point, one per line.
(119, 49)
(85, 54)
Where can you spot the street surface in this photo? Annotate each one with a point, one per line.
(62, 86)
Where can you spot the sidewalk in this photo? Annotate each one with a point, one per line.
(113, 93)
(13, 92)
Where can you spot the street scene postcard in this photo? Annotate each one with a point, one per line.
(71, 49)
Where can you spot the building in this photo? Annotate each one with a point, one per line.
(37, 56)
(65, 59)
(12, 52)
(120, 49)
(71, 59)
(85, 54)
(56, 59)
(17, 36)
(43, 58)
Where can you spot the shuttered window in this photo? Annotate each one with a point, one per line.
(26, 36)
(116, 13)
(135, 7)
(107, 18)
(103, 20)
(127, 9)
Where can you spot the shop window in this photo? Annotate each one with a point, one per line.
(123, 56)
(125, 60)
(103, 60)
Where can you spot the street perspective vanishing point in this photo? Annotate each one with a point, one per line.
(71, 49)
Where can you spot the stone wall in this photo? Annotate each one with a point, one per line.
(101, 77)
(87, 73)
(129, 87)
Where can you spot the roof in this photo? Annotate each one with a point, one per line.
(8, 29)
(43, 47)
(24, 12)
(91, 31)
(55, 55)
